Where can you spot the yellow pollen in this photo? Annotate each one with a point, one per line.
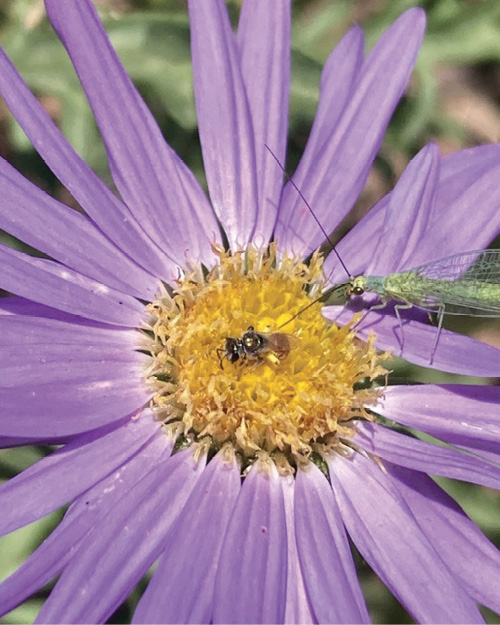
(291, 392)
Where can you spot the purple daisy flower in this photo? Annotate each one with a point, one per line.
(241, 467)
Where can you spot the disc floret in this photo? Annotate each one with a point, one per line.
(289, 404)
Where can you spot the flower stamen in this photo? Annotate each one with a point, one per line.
(287, 401)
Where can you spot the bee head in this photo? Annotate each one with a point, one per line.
(233, 349)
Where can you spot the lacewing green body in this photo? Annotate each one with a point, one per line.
(462, 284)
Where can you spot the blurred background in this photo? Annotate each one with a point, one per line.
(453, 99)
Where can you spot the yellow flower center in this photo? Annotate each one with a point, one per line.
(232, 361)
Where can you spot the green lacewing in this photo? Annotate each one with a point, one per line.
(467, 283)
(462, 284)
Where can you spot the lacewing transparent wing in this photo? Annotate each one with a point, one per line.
(462, 284)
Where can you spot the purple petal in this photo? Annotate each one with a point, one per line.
(473, 160)
(119, 550)
(458, 414)
(325, 557)
(477, 206)
(49, 283)
(29, 214)
(109, 213)
(388, 537)
(454, 353)
(23, 330)
(250, 586)
(423, 456)
(57, 550)
(333, 181)
(224, 119)
(338, 83)
(297, 605)
(463, 169)
(264, 50)
(408, 213)
(19, 441)
(358, 246)
(459, 172)
(56, 390)
(471, 557)
(151, 179)
(179, 592)
(67, 472)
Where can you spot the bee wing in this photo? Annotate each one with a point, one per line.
(282, 342)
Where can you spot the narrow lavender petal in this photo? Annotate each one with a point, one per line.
(333, 181)
(7, 442)
(250, 585)
(31, 215)
(459, 172)
(264, 49)
(454, 353)
(390, 540)
(379, 243)
(486, 451)
(422, 456)
(473, 160)
(338, 81)
(25, 308)
(458, 414)
(325, 556)
(114, 558)
(109, 213)
(358, 246)
(178, 591)
(408, 213)
(297, 605)
(67, 472)
(24, 330)
(470, 556)
(446, 234)
(148, 174)
(225, 122)
(65, 391)
(55, 285)
(57, 550)
(47, 363)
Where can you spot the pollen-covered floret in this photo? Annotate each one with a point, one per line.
(286, 401)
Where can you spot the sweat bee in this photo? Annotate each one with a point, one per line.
(257, 346)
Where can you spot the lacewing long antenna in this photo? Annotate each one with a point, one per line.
(300, 194)
(315, 301)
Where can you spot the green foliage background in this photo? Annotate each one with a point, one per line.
(454, 99)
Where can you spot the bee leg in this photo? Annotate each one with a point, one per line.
(221, 358)
(259, 361)
(274, 358)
